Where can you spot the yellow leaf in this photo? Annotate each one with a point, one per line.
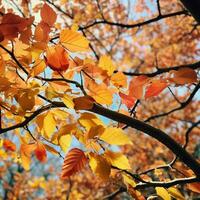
(117, 159)
(174, 192)
(89, 120)
(100, 93)
(163, 193)
(73, 40)
(67, 100)
(100, 166)
(128, 180)
(49, 124)
(119, 80)
(106, 64)
(115, 136)
(65, 142)
(50, 93)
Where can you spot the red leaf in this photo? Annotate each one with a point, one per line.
(40, 152)
(136, 87)
(12, 25)
(57, 58)
(74, 161)
(156, 87)
(8, 145)
(128, 100)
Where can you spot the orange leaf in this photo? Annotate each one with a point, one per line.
(40, 152)
(74, 161)
(57, 58)
(128, 100)
(48, 15)
(25, 152)
(194, 187)
(83, 103)
(184, 76)
(156, 87)
(136, 87)
(8, 145)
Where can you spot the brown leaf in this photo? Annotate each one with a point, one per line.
(83, 103)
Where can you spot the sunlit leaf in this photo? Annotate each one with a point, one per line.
(73, 40)
(119, 79)
(100, 166)
(57, 58)
(49, 124)
(115, 136)
(68, 101)
(106, 64)
(163, 193)
(48, 15)
(89, 120)
(117, 159)
(25, 152)
(155, 88)
(174, 192)
(128, 100)
(74, 161)
(137, 86)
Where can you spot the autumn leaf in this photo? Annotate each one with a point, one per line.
(106, 64)
(163, 193)
(49, 124)
(74, 161)
(48, 15)
(100, 93)
(155, 88)
(83, 103)
(174, 192)
(115, 136)
(117, 159)
(89, 120)
(11, 25)
(9, 145)
(100, 166)
(137, 86)
(194, 187)
(73, 41)
(128, 100)
(25, 152)
(57, 58)
(40, 152)
(184, 76)
(119, 79)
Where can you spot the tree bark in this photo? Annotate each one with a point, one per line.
(162, 137)
(193, 6)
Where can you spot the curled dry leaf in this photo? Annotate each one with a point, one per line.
(74, 161)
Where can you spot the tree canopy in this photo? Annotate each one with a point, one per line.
(99, 99)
